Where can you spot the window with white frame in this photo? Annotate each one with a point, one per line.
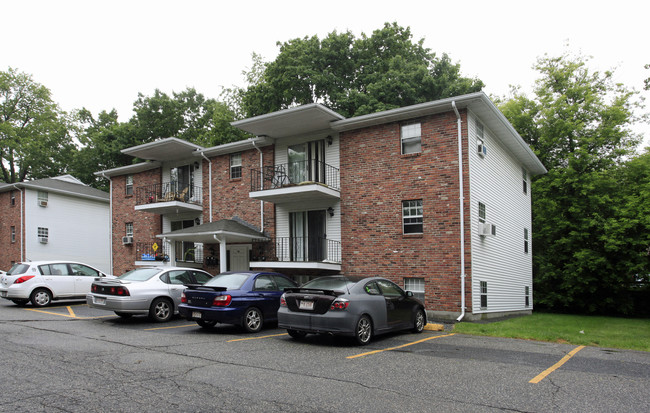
(412, 216)
(416, 286)
(524, 177)
(527, 296)
(43, 235)
(481, 212)
(13, 198)
(129, 185)
(42, 198)
(411, 138)
(235, 166)
(484, 302)
(480, 140)
(526, 240)
(13, 234)
(129, 229)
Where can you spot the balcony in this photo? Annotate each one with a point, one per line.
(169, 198)
(146, 254)
(297, 252)
(296, 182)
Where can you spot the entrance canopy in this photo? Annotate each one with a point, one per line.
(222, 231)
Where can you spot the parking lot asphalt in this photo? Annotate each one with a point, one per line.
(69, 357)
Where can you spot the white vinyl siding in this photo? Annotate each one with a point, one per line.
(499, 260)
(78, 230)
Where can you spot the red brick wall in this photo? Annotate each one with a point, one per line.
(10, 216)
(145, 224)
(230, 197)
(376, 178)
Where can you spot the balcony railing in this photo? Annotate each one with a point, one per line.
(295, 173)
(144, 251)
(168, 191)
(297, 249)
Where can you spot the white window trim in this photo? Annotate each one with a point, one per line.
(410, 136)
(233, 166)
(415, 216)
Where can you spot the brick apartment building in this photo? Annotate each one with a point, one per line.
(314, 194)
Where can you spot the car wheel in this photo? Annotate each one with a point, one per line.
(206, 324)
(363, 332)
(41, 297)
(298, 335)
(419, 322)
(161, 310)
(20, 303)
(123, 315)
(253, 320)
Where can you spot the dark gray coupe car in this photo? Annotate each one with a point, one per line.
(350, 306)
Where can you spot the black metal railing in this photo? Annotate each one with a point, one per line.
(297, 249)
(188, 252)
(144, 251)
(168, 191)
(295, 173)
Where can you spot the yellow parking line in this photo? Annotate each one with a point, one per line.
(256, 338)
(50, 312)
(395, 348)
(71, 312)
(556, 366)
(167, 328)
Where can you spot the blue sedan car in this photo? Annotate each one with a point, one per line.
(245, 298)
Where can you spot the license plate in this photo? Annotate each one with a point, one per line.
(99, 300)
(4, 293)
(196, 314)
(306, 305)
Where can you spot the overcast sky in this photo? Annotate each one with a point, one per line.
(99, 54)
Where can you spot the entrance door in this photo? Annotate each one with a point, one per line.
(316, 229)
(239, 258)
(307, 235)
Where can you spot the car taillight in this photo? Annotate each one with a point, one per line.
(283, 301)
(222, 300)
(22, 279)
(121, 291)
(339, 304)
(183, 298)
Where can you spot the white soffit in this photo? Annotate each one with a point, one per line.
(290, 122)
(163, 150)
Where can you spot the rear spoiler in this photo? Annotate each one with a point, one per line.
(314, 291)
(205, 287)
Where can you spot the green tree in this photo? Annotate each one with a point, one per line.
(578, 124)
(354, 76)
(34, 133)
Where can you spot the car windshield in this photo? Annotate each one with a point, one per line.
(232, 281)
(140, 274)
(330, 283)
(18, 269)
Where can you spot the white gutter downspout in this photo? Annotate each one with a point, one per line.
(22, 237)
(209, 183)
(262, 181)
(110, 219)
(462, 213)
(223, 254)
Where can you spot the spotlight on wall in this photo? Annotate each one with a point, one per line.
(197, 221)
(329, 139)
(330, 211)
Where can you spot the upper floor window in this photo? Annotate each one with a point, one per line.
(480, 140)
(13, 198)
(524, 177)
(42, 198)
(411, 138)
(481, 212)
(129, 185)
(43, 235)
(412, 216)
(13, 234)
(129, 229)
(526, 240)
(235, 166)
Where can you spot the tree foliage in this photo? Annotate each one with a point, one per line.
(578, 124)
(34, 134)
(354, 76)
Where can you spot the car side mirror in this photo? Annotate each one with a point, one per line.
(409, 294)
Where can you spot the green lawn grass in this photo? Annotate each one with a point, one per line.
(610, 332)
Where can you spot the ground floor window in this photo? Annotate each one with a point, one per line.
(416, 286)
(484, 302)
(527, 295)
(43, 235)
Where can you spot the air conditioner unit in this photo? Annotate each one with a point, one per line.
(127, 240)
(485, 229)
(481, 149)
(42, 240)
(42, 202)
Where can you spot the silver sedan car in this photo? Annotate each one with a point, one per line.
(154, 291)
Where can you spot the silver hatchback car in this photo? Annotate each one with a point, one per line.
(43, 281)
(152, 291)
